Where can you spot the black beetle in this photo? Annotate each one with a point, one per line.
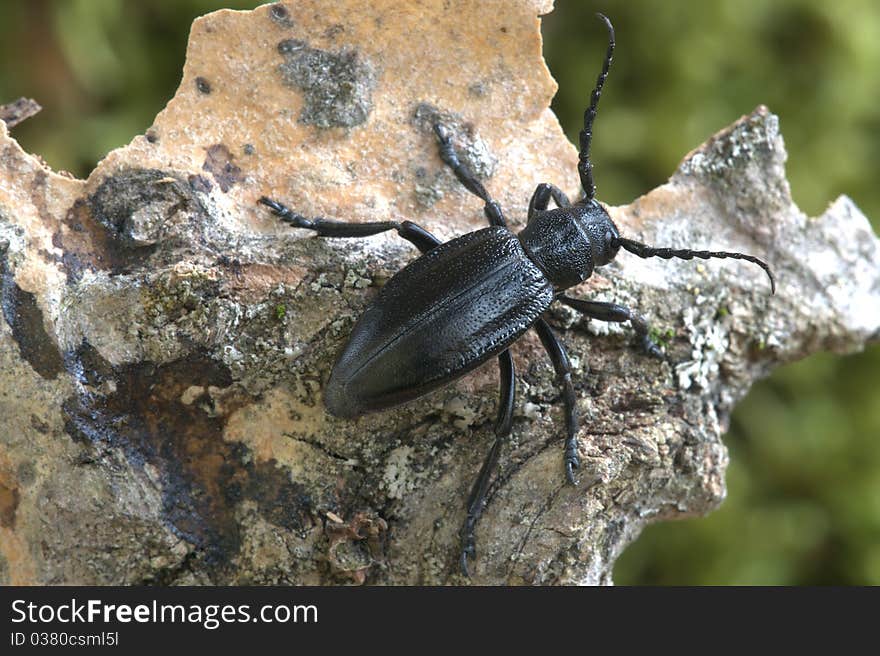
(466, 301)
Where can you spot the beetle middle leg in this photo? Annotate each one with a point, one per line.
(561, 364)
(465, 176)
(618, 314)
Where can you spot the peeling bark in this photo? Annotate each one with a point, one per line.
(164, 342)
(18, 110)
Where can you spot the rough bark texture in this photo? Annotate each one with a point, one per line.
(164, 341)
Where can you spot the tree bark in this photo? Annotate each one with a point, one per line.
(166, 341)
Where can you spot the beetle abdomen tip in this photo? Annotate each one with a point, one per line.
(339, 403)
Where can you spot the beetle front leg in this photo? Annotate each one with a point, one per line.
(618, 314)
(413, 233)
(559, 358)
(477, 498)
(465, 176)
(541, 198)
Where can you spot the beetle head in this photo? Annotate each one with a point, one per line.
(600, 230)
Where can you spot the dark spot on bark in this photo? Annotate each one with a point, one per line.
(477, 89)
(248, 149)
(633, 402)
(152, 136)
(355, 547)
(38, 194)
(289, 46)
(203, 85)
(26, 473)
(82, 243)
(51, 258)
(233, 264)
(8, 505)
(504, 30)
(219, 163)
(683, 459)
(279, 501)
(203, 477)
(333, 31)
(118, 227)
(24, 317)
(39, 425)
(611, 539)
(337, 87)
(426, 116)
(280, 15)
(139, 207)
(200, 184)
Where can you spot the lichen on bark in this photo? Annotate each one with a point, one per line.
(165, 342)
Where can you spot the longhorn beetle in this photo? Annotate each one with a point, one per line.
(467, 300)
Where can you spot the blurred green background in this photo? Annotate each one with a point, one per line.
(804, 479)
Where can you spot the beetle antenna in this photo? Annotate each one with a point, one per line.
(640, 249)
(585, 166)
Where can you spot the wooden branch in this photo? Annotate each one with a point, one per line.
(165, 341)
(18, 110)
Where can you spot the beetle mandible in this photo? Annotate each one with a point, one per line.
(432, 322)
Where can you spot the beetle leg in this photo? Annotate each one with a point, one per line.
(477, 498)
(418, 236)
(491, 209)
(619, 314)
(413, 233)
(541, 198)
(562, 366)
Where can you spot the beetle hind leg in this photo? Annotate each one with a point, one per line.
(477, 498)
(562, 366)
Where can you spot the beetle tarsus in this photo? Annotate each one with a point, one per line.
(562, 366)
(281, 211)
(287, 215)
(572, 462)
(652, 348)
(467, 551)
(468, 539)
